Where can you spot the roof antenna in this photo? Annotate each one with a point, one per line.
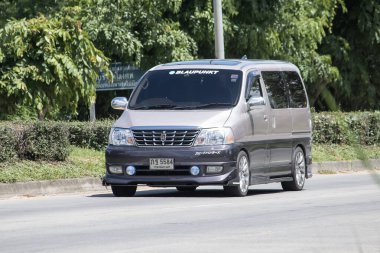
(244, 57)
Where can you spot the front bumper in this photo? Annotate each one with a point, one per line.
(184, 159)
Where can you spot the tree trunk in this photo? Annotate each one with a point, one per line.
(42, 113)
(320, 88)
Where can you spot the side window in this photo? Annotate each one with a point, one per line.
(276, 89)
(253, 87)
(296, 91)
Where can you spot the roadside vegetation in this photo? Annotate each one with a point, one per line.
(45, 150)
(334, 152)
(84, 162)
(80, 163)
(51, 53)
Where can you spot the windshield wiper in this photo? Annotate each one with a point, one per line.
(209, 105)
(147, 107)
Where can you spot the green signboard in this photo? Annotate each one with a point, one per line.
(125, 77)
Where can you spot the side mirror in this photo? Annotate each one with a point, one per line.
(255, 101)
(119, 103)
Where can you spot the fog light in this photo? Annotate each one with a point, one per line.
(116, 169)
(214, 169)
(131, 170)
(194, 170)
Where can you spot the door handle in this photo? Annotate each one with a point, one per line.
(265, 117)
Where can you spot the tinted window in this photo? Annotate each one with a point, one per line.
(187, 89)
(276, 89)
(297, 93)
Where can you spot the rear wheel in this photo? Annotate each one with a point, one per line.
(124, 191)
(298, 172)
(240, 190)
(186, 188)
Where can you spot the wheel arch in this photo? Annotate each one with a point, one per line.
(249, 163)
(246, 151)
(301, 146)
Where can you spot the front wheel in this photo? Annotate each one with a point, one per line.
(124, 191)
(240, 190)
(298, 172)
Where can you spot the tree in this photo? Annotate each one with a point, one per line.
(285, 30)
(48, 64)
(335, 43)
(19, 9)
(141, 32)
(354, 44)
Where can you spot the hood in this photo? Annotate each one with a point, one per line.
(195, 118)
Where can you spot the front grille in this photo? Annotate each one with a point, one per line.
(164, 137)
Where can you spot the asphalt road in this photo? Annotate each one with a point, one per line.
(335, 213)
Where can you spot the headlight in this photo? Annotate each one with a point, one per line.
(121, 136)
(215, 136)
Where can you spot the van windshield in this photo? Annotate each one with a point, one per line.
(178, 89)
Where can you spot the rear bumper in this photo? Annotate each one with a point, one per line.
(184, 159)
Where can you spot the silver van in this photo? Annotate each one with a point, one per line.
(233, 123)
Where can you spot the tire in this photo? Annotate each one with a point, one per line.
(298, 172)
(124, 191)
(186, 188)
(242, 166)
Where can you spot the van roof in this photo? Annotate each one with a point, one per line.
(236, 64)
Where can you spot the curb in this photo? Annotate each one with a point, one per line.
(51, 187)
(91, 184)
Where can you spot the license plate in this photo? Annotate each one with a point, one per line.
(161, 163)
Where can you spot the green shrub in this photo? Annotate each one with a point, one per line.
(50, 140)
(365, 126)
(45, 141)
(328, 128)
(34, 141)
(8, 143)
(346, 128)
(92, 135)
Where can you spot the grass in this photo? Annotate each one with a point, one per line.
(86, 162)
(80, 163)
(323, 153)
(326, 172)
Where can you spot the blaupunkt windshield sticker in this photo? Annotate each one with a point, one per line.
(193, 72)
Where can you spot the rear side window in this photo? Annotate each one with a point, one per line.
(297, 94)
(276, 89)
